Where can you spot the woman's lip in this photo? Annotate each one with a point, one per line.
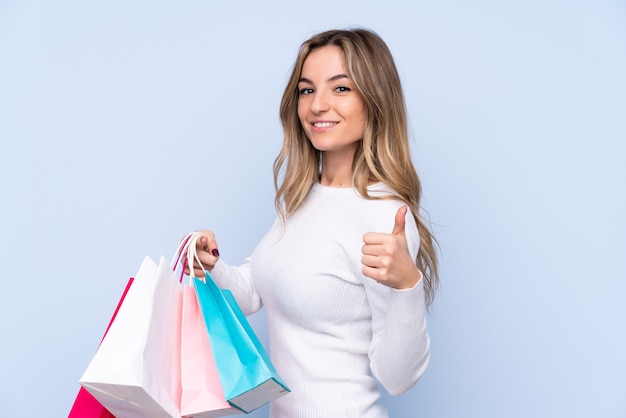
(322, 126)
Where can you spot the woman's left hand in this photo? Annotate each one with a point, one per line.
(386, 257)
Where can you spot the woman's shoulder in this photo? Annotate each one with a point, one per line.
(380, 189)
(382, 205)
(384, 197)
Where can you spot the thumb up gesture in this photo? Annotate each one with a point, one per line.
(386, 257)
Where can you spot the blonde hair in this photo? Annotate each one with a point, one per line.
(383, 155)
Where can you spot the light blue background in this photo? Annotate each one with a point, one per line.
(124, 125)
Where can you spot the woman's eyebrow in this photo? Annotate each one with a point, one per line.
(338, 77)
(333, 78)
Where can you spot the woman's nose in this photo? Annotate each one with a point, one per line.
(320, 102)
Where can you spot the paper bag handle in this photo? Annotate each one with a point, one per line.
(187, 251)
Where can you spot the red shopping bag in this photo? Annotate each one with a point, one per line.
(85, 405)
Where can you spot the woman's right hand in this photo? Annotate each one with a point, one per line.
(206, 248)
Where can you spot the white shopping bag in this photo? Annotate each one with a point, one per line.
(136, 370)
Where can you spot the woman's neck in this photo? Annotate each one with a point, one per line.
(336, 170)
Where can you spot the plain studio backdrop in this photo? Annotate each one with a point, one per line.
(124, 125)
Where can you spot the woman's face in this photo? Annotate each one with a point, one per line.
(331, 111)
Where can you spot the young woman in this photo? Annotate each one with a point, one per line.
(348, 268)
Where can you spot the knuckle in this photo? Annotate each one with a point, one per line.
(385, 263)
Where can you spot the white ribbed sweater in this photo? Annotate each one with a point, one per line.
(332, 330)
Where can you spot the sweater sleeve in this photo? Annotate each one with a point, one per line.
(400, 348)
(238, 280)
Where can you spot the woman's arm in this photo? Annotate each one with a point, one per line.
(400, 347)
(237, 279)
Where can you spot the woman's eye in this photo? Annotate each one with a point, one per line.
(305, 91)
(342, 89)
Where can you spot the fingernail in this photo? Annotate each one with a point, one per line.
(215, 252)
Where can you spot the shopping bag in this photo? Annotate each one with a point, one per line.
(202, 395)
(136, 370)
(85, 405)
(248, 377)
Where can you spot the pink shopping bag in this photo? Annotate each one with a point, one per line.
(202, 395)
(247, 375)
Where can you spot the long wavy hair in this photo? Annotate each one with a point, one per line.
(383, 155)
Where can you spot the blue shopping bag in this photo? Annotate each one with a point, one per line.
(246, 373)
